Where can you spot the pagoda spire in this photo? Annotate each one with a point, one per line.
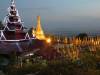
(13, 21)
(39, 32)
(13, 29)
(12, 2)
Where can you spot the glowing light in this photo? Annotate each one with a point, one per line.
(48, 40)
(30, 54)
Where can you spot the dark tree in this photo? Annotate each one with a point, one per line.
(1, 25)
(30, 31)
(82, 36)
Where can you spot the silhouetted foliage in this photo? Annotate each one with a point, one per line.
(1, 25)
(82, 36)
(30, 31)
(54, 67)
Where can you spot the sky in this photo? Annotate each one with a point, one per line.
(58, 15)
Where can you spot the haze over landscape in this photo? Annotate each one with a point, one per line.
(58, 15)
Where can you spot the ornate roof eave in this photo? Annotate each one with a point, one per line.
(2, 35)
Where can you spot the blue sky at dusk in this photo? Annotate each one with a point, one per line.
(58, 15)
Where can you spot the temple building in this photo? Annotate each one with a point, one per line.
(14, 36)
(13, 26)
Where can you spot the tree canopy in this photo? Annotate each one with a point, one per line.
(82, 35)
(1, 25)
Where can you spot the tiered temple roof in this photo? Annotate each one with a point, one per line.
(13, 26)
(13, 36)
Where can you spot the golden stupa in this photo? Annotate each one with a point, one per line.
(39, 32)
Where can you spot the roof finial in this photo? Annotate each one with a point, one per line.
(12, 2)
